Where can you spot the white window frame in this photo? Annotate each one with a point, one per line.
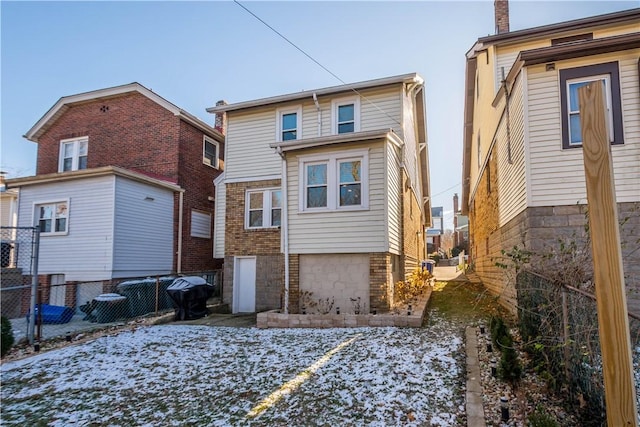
(333, 180)
(215, 163)
(36, 216)
(608, 101)
(267, 207)
(336, 103)
(280, 112)
(75, 159)
(203, 219)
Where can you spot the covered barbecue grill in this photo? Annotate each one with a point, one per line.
(189, 295)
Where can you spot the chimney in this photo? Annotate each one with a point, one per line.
(221, 118)
(501, 8)
(455, 211)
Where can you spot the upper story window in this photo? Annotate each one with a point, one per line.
(210, 152)
(52, 217)
(289, 121)
(345, 115)
(73, 154)
(334, 181)
(570, 81)
(263, 208)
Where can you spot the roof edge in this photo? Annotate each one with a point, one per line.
(403, 78)
(91, 173)
(628, 15)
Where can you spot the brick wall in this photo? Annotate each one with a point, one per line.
(133, 133)
(540, 229)
(263, 243)
(412, 229)
(485, 240)
(197, 180)
(380, 288)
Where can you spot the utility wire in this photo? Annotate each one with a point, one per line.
(315, 61)
(444, 191)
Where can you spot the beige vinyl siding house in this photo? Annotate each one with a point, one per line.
(523, 169)
(314, 184)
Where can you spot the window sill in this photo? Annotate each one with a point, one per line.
(342, 209)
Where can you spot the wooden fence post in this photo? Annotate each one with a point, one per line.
(613, 322)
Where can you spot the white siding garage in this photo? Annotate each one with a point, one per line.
(341, 277)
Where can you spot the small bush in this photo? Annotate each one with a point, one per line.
(6, 336)
(498, 329)
(413, 287)
(540, 418)
(510, 368)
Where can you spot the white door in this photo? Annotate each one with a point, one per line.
(244, 286)
(58, 290)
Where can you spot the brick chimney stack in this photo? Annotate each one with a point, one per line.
(455, 211)
(501, 9)
(221, 118)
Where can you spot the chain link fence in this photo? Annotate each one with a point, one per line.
(559, 329)
(46, 306)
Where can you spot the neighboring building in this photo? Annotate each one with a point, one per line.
(523, 177)
(436, 231)
(123, 188)
(460, 226)
(8, 204)
(326, 191)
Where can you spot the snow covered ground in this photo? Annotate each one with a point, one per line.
(199, 375)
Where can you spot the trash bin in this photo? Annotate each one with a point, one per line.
(52, 314)
(189, 295)
(428, 264)
(141, 295)
(110, 307)
(5, 254)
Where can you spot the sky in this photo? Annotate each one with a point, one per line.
(196, 53)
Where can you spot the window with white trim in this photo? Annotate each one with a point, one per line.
(210, 150)
(337, 181)
(73, 154)
(52, 218)
(289, 124)
(200, 224)
(263, 208)
(571, 79)
(345, 115)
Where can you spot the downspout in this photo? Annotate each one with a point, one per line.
(180, 207)
(285, 230)
(315, 101)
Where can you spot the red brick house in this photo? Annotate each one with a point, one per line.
(124, 166)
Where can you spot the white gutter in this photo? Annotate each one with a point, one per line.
(180, 207)
(315, 101)
(285, 231)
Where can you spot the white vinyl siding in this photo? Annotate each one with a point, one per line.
(143, 230)
(85, 252)
(247, 148)
(504, 60)
(511, 178)
(394, 200)
(219, 220)
(200, 224)
(349, 231)
(557, 175)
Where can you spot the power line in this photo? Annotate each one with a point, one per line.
(315, 61)
(444, 191)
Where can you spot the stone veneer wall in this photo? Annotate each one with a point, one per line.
(538, 230)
